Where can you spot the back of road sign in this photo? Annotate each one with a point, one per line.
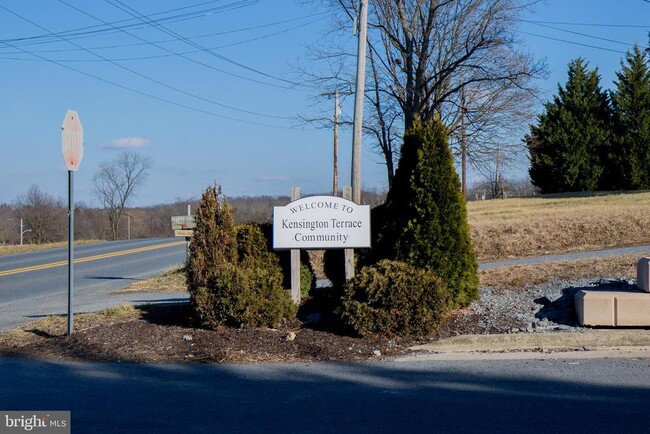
(72, 140)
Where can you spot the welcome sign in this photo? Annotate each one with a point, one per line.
(321, 222)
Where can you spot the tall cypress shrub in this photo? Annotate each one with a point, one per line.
(571, 146)
(215, 239)
(425, 214)
(631, 104)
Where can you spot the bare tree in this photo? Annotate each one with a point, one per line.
(423, 54)
(117, 182)
(43, 215)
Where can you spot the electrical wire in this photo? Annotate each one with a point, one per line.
(571, 42)
(585, 35)
(322, 16)
(563, 23)
(179, 55)
(100, 29)
(160, 56)
(120, 5)
(143, 75)
(139, 92)
(130, 89)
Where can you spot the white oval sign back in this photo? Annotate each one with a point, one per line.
(72, 140)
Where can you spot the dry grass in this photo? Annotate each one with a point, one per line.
(10, 249)
(520, 276)
(513, 228)
(53, 326)
(170, 281)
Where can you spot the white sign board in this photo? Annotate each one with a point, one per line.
(72, 140)
(183, 222)
(321, 222)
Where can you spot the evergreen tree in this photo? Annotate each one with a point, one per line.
(215, 239)
(631, 103)
(425, 215)
(232, 278)
(570, 148)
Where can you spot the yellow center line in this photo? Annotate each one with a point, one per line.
(89, 258)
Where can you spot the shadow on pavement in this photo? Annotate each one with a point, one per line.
(502, 397)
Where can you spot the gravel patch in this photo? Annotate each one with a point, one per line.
(543, 308)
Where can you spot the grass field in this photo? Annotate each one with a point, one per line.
(513, 228)
(9, 249)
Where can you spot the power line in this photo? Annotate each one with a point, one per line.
(139, 92)
(564, 23)
(322, 16)
(175, 54)
(161, 56)
(142, 75)
(180, 37)
(571, 42)
(99, 29)
(585, 35)
(123, 86)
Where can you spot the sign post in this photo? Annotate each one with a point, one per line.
(72, 138)
(295, 260)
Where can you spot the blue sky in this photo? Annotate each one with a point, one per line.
(225, 116)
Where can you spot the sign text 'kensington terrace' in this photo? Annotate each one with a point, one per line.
(321, 222)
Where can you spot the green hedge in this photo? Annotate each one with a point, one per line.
(394, 297)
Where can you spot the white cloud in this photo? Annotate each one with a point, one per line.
(128, 143)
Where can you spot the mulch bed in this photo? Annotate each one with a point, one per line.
(165, 334)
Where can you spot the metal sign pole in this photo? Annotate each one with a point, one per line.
(72, 143)
(70, 248)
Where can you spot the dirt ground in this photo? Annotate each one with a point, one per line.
(165, 334)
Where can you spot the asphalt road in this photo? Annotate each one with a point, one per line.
(638, 250)
(520, 396)
(36, 284)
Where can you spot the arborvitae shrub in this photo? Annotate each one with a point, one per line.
(394, 297)
(214, 241)
(233, 278)
(307, 275)
(425, 214)
(244, 297)
(307, 280)
(253, 247)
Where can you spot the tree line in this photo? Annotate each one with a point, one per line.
(45, 217)
(590, 139)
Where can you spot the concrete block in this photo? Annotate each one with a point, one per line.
(633, 310)
(643, 274)
(613, 308)
(595, 308)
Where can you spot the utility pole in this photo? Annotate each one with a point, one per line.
(358, 102)
(335, 181)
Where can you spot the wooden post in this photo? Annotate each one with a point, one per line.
(335, 181)
(357, 129)
(295, 259)
(348, 253)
